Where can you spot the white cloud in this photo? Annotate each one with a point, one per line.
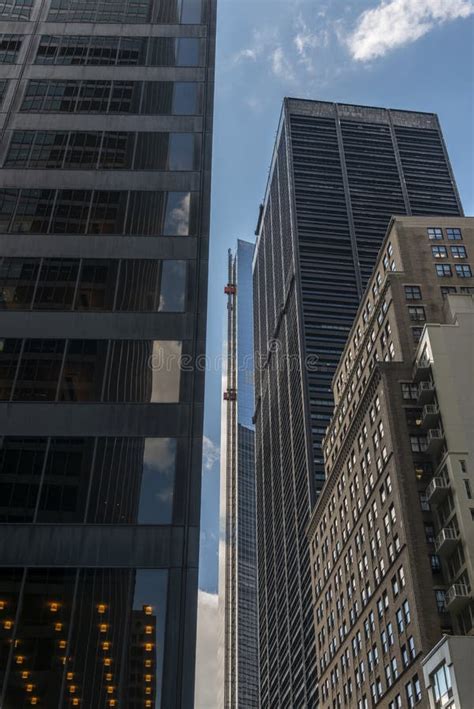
(397, 22)
(244, 54)
(210, 453)
(281, 66)
(207, 674)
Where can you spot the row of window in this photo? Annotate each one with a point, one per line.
(135, 371)
(444, 270)
(137, 97)
(98, 481)
(123, 11)
(99, 150)
(86, 50)
(18, 10)
(98, 212)
(442, 252)
(98, 285)
(452, 233)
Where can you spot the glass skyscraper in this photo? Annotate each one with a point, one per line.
(238, 572)
(338, 174)
(105, 157)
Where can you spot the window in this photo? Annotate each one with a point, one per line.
(443, 270)
(10, 45)
(17, 282)
(440, 680)
(134, 11)
(435, 233)
(411, 647)
(417, 313)
(419, 444)
(435, 563)
(410, 695)
(16, 9)
(458, 252)
(413, 292)
(467, 486)
(446, 290)
(409, 391)
(454, 234)
(416, 333)
(463, 271)
(439, 251)
(467, 290)
(406, 611)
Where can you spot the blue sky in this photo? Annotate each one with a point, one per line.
(411, 54)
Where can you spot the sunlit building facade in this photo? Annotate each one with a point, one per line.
(106, 120)
(338, 174)
(237, 562)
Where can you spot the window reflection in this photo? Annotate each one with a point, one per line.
(9, 354)
(173, 286)
(39, 369)
(66, 480)
(157, 483)
(166, 370)
(177, 214)
(97, 282)
(17, 282)
(40, 647)
(56, 284)
(84, 367)
(10, 582)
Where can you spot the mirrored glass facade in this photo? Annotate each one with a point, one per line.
(106, 119)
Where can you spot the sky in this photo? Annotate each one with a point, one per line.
(407, 54)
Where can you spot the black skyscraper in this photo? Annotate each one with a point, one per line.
(338, 173)
(106, 119)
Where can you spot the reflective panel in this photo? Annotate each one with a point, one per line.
(144, 668)
(97, 283)
(66, 480)
(41, 639)
(56, 285)
(173, 286)
(181, 151)
(39, 370)
(10, 583)
(139, 285)
(177, 214)
(166, 368)
(84, 367)
(21, 467)
(9, 356)
(17, 282)
(157, 483)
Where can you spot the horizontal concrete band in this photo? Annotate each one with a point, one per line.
(101, 326)
(96, 546)
(88, 246)
(100, 180)
(60, 419)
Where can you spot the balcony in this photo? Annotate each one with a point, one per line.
(426, 392)
(422, 369)
(435, 439)
(437, 490)
(430, 415)
(446, 541)
(457, 596)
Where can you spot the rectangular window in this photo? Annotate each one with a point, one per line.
(3, 89)
(21, 466)
(463, 271)
(19, 10)
(417, 313)
(446, 290)
(416, 333)
(17, 282)
(10, 45)
(458, 252)
(439, 251)
(454, 234)
(413, 292)
(117, 11)
(38, 371)
(435, 233)
(56, 284)
(443, 270)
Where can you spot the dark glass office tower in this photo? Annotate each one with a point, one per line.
(237, 562)
(106, 120)
(338, 173)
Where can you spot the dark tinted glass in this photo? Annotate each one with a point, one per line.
(8, 201)
(39, 369)
(83, 150)
(10, 45)
(17, 282)
(139, 285)
(100, 11)
(157, 481)
(84, 367)
(188, 51)
(117, 151)
(56, 285)
(66, 480)
(71, 212)
(10, 583)
(21, 467)
(3, 89)
(186, 99)
(178, 214)
(33, 212)
(9, 357)
(145, 213)
(107, 212)
(125, 97)
(182, 153)
(152, 151)
(97, 283)
(42, 634)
